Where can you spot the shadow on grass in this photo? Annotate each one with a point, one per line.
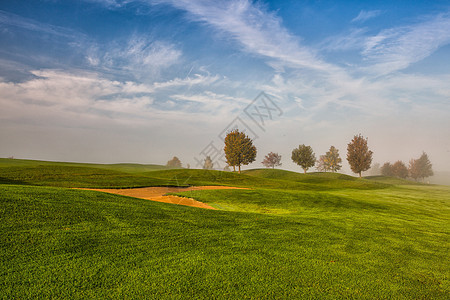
(13, 181)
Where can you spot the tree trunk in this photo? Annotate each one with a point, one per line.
(359, 174)
(304, 171)
(234, 168)
(239, 169)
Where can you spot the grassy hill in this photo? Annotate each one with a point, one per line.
(291, 236)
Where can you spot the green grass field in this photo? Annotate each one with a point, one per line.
(290, 236)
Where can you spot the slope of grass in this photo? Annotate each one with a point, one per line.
(392, 180)
(62, 243)
(123, 167)
(292, 236)
(272, 179)
(315, 177)
(69, 176)
(61, 174)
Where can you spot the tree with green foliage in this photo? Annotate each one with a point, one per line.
(333, 160)
(174, 163)
(421, 167)
(239, 149)
(386, 169)
(272, 160)
(358, 154)
(304, 157)
(208, 164)
(399, 169)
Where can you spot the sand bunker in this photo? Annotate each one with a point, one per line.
(159, 194)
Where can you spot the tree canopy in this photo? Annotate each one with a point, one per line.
(239, 149)
(386, 169)
(421, 167)
(331, 160)
(272, 160)
(304, 157)
(399, 169)
(174, 163)
(358, 154)
(208, 164)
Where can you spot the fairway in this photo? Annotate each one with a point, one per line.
(166, 194)
(287, 236)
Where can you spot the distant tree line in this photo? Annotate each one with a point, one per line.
(418, 168)
(239, 150)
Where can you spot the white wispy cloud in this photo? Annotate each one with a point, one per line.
(397, 48)
(365, 15)
(10, 19)
(353, 39)
(258, 31)
(80, 98)
(140, 56)
(111, 3)
(195, 79)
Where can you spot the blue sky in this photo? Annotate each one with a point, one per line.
(142, 81)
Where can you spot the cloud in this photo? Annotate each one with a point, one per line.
(81, 98)
(141, 56)
(353, 39)
(188, 82)
(213, 103)
(365, 15)
(397, 48)
(257, 31)
(111, 3)
(10, 19)
(76, 98)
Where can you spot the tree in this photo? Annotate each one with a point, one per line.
(321, 164)
(413, 169)
(239, 149)
(386, 169)
(358, 154)
(332, 160)
(304, 157)
(272, 160)
(208, 164)
(399, 169)
(174, 163)
(421, 167)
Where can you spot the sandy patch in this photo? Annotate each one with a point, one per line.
(159, 194)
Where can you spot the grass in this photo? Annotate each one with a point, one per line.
(284, 238)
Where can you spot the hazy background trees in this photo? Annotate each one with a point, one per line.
(239, 149)
(359, 156)
(304, 157)
(208, 164)
(272, 160)
(398, 169)
(420, 168)
(174, 163)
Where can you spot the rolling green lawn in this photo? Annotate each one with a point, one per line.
(290, 236)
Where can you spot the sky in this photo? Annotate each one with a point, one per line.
(141, 81)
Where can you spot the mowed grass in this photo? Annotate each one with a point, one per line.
(360, 239)
(59, 174)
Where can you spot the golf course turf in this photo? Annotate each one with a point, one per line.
(289, 236)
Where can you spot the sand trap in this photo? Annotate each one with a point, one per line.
(159, 194)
